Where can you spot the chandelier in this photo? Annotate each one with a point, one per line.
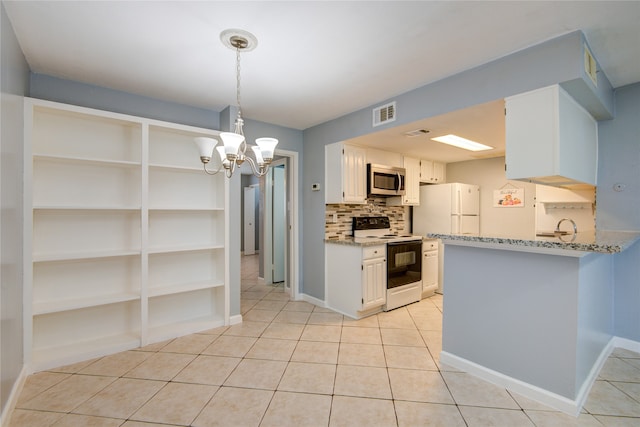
(233, 151)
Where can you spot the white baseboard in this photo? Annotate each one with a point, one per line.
(530, 391)
(626, 344)
(234, 320)
(312, 300)
(13, 396)
(585, 389)
(527, 390)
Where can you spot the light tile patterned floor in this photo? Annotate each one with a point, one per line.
(293, 364)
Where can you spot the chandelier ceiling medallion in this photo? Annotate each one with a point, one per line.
(232, 152)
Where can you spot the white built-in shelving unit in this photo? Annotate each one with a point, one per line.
(126, 234)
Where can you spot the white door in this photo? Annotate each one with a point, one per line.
(249, 227)
(279, 220)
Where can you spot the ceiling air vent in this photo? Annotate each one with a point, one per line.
(384, 114)
(417, 132)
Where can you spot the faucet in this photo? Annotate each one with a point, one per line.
(557, 231)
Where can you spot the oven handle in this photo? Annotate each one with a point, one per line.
(405, 242)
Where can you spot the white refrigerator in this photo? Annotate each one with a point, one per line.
(448, 209)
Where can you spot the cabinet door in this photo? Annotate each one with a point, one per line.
(426, 171)
(354, 174)
(412, 181)
(374, 273)
(438, 176)
(429, 271)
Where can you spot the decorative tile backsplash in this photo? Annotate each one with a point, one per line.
(341, 227)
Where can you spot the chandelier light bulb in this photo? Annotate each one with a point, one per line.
(267, 147)
(205, 147)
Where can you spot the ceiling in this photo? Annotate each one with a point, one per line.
(315, 60)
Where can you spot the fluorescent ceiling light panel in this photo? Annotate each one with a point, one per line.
(460, 142)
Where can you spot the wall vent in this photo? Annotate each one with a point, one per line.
(590, 66)
(384, 114)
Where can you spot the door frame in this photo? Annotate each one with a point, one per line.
(293, 259)
(292, 278)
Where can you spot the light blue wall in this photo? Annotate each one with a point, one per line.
(15, 84)
(555, 61)
(619, 162)
(101, 98)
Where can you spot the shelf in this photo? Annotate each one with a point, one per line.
(567, 205)
(86, 208)
(128, 234)
(85, 183)
(40, 308)
(187, 287)
(178, 168)
(185, 208)
(86, 160)
(70, 256)
(51, 357)
(185, 248)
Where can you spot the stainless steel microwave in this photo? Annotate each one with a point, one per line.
(385, 180)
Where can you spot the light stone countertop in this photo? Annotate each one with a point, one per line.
(367, 241)
(607, 242)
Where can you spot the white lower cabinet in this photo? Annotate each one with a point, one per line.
(356, 278)
(128, 235)
(429, 268)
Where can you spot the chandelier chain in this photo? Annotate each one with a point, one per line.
(238, 79)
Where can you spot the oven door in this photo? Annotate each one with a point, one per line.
(404, 263)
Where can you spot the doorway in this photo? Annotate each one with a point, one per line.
(276, 225)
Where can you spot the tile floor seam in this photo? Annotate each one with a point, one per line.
(420, 316)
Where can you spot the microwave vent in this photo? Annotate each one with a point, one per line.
(384, 114)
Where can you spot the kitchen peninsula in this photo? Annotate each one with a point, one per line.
(532, 314)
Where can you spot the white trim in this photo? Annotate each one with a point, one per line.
(293, 167)
(530, 391)
(312, 300)
(527, 390)
(12, 401)
(583, 393)
(627, 344)
(235, 319)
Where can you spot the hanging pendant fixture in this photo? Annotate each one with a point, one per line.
(233, 151)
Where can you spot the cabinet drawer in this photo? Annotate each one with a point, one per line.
(430, 245)
(374, 252)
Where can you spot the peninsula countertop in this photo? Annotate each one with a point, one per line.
(368, 241)
(601, 241)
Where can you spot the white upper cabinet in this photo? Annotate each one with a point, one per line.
(346, 174)
(550, 139)
(432, 172)
(411, 184)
